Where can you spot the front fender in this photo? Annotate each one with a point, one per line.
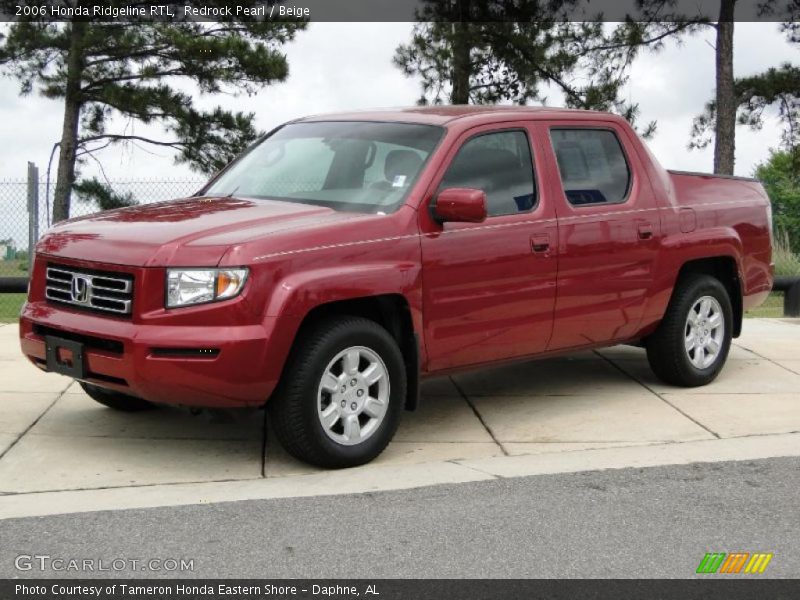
(300, 292)
(295, 295)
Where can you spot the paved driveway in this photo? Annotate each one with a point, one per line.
(59, 449)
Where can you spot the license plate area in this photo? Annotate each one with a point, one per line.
(65, 357)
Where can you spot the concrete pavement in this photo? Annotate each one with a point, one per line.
(61, 452)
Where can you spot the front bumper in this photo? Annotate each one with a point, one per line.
(159, 363)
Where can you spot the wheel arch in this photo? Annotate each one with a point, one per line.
(725, 269)
(392, 311)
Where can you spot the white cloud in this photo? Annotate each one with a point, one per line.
(673, 86)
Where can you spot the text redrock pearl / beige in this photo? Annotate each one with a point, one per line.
(246, 11)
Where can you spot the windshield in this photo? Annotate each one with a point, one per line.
(346, 165)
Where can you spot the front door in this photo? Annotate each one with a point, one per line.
(489, 288)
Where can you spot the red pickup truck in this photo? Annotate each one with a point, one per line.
(343, 258)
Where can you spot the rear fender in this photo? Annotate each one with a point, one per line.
(682, 248)
(714, 242)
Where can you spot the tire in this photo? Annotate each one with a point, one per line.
(116, 400)
(681, 352)
(320, 384)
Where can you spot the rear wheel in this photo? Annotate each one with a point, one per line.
(692, 342)
(116, 400)
(342, 392)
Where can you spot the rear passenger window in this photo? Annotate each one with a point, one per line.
(592, 166)
(500, 164)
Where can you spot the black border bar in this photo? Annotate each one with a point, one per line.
(712, 588)
(395, 10)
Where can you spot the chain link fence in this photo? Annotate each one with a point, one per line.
(16, 221)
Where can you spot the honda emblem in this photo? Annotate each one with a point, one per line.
(81, 289)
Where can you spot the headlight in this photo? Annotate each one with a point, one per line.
(186, 287)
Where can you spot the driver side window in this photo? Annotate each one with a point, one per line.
(500, 164)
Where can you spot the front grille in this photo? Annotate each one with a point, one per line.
(100, 291)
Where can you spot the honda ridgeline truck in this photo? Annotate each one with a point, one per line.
(343, 258)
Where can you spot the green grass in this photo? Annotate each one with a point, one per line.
(10, 305)
(14, 268)
(771, 309)
(787, 264)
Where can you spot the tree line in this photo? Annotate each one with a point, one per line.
(461, 52)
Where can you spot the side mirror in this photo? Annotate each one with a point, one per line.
(460, 205)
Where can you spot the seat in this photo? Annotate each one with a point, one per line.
(400, 168)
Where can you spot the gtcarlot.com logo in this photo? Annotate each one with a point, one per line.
(45, 562)
(734, 563)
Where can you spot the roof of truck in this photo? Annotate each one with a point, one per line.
(443, 114)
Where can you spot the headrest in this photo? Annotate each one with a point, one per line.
(401, 162)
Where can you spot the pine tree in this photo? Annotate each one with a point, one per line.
(776, 90)
(489, 51)
(101, 70)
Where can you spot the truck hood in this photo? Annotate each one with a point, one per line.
(192, 232)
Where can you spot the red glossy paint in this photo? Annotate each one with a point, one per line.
(461, 205)
(555, 279)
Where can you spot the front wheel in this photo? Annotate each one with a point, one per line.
(342, 392)
(692, 342)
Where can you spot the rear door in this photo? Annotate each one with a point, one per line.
(489, 288)
(608, 231)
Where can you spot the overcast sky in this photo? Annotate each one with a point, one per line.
(343, 66)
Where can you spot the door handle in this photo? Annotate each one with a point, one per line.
(645, 231)
(540, 243)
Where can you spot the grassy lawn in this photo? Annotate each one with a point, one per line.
(772, 307)
(10, 305)
(14, 268)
